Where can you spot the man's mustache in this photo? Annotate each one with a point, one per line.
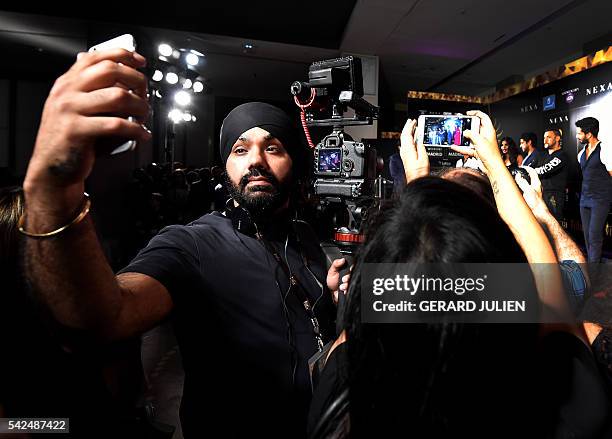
(258, 172)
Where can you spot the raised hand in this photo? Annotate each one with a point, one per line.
(413, 155)
(89, 102)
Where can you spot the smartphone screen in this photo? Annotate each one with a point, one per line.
(446, 130)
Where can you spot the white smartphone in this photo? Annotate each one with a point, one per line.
(446, 130)
(126, 42)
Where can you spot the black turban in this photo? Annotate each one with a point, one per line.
(267, 117)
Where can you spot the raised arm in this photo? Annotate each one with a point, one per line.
(521, 221)
(565, 247)
(68, 270)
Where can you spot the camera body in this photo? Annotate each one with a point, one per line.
(346, 183)
(343, 167)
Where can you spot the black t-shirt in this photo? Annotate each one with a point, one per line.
(242, 376)
(553, 170)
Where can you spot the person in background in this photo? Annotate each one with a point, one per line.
(510, 153)
(528, 142)
(595, 161)
(553, 169)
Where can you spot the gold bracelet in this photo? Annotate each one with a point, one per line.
(82, 214)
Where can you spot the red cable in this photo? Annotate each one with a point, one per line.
(306, 131)
(303, 107)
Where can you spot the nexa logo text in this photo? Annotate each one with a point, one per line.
(528, 108)
(602, 88)
(558, 119)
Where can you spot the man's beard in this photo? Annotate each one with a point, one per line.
(259, 200)
(584, 141)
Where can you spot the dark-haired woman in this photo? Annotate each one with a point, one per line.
(451, 379)
(511, 155)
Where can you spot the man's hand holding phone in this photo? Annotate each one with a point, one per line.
(90, 102)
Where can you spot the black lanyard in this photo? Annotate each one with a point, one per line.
(300, 291)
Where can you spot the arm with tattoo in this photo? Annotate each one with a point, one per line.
(69, 271)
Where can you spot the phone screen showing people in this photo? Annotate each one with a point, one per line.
(446, 130)
(330, 160)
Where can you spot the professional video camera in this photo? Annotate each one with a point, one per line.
(347, 180)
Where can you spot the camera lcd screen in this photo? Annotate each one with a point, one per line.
(330, 160)
(446, 130)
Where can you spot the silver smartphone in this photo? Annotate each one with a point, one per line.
(126, 42)
(446, 130)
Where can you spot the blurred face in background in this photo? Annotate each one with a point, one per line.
(504, 147)
(582, 137)
(551, 140)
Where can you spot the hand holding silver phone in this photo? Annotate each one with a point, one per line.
(126, 42)
(446, 130)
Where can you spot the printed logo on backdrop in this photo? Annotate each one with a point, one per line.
(549, 102)
(599, 88)
(570, 95)
(558, 119)
(529, 108)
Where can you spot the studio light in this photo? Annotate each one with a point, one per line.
(192, 59)
(198, 87)
(187, 117)
(187, 83)
(175, 115)
(248, 48)
(172, 78)
(157, 76)
(165, 49)
(182, 98)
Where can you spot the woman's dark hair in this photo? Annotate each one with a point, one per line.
(513, 151)
(422, 379)
(471, 179)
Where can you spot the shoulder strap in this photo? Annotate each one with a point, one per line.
(299, 289)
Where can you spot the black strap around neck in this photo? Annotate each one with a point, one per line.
(299, 289)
